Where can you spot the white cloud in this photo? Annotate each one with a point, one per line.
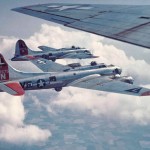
(112, 106)
(29, 134)
(7, 46)
(57, 37)
(12, 127)
(7, 43)
(11, 110)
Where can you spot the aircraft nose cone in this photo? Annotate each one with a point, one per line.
(95, 56)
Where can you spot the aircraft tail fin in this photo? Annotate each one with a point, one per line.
(8, 73)
(21, 50)
(7, 77)
(4, 69)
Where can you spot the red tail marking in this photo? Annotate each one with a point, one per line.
(30, 57)
(4, 72)
(16, 87)
(146, 93)
(23, 48)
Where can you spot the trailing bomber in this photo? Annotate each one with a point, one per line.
(49, 53)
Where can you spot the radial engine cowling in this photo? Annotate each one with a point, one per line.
(129, 80)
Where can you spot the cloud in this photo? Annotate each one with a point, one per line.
(125, 109)
(11, 110)
(12, 126)
(7, 46)
(29, 134)
(56, 37)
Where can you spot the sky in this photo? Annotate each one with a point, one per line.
(74, 118)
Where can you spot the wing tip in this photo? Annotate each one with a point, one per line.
(16, 9)
(147, 93)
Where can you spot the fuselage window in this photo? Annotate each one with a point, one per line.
(53, 78)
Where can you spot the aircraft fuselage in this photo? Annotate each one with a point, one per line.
(58, 54)
(57, 81)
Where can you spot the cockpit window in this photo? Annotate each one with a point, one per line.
(93, 63)
(73, 65)
(86, 51)
(102, 66)
(111, 65)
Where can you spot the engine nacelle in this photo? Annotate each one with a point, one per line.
(49, 57)
(58, 89)
(74, 65)
(129, 80)
(93, 63)
(118, 71)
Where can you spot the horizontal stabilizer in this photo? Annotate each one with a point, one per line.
(48, 66)
(47, 49)
(13, 88)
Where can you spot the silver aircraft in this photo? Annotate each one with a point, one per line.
(16, 82)
(49, 53)
(49, 66)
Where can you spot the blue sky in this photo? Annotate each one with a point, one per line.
(74, 118)
(15, 24)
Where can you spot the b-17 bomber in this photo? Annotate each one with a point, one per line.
(106, 79)
(22, 52)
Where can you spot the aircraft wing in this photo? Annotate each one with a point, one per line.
(73, 55)
(127, 23)
(47, 65)
(47, 49)
(13, 88)
(96, 82)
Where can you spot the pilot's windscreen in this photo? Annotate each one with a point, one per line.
(102, 66)
(111, 65)
(86, 51)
